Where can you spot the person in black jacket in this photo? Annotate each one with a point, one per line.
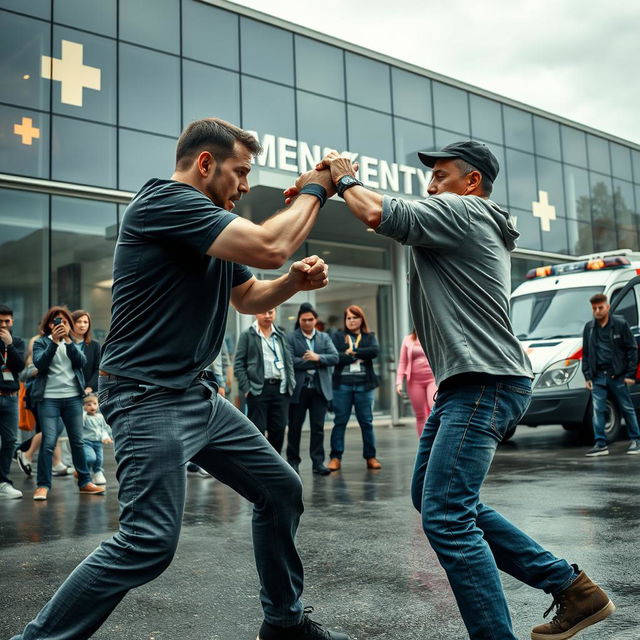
(88, 346)
(609, 362)
(11, 364)
(354, 382)
(314, 356)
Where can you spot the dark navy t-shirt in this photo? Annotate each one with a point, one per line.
(170, 299)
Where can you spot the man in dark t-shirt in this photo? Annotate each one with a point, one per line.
(176, 268)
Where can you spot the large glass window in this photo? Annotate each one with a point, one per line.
(547, 138)
(362, 123)
(321, 121)
(604, 237)
(153, 23)
(368, 82)
(601, 201)
(203, 25)
(143, 156)
(518, 128)
(443, 138)
(486, 119)
(499, 193)
(36, 8)
(529, 228)
(522, 181)
(410, 138)
(635, 161)
(83, 238)
(623, 204)
(598, 154)
(24, 147)
(411, 96)
(149, 90)
(72, 96)
(580, 237)
(319, 67)
(550, 180)
(576, 184)
(556, 240)
(208, 91)
(574, 146)
(267, 52)
(23, 43)
(93, 15)
(620, 161)
(268, 108)
(23, 256)
(451, 108)
(83, 152)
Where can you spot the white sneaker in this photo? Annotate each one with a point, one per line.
(8, 491)
(98, 478)
(59, 469)
(204, 474)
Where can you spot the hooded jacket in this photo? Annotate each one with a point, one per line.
(459, 282)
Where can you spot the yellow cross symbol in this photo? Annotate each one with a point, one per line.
(70, 71)
(26, 131)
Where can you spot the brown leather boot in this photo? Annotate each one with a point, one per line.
(334, 464)
(372, 463)
(584, 603)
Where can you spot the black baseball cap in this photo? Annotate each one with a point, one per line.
(475, 153)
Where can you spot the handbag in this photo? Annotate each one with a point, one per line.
(26, 418)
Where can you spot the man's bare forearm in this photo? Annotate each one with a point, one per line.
(365, 205)
(263, 295)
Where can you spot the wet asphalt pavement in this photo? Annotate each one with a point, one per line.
(369, 569)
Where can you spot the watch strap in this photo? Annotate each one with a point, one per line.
(346, 182)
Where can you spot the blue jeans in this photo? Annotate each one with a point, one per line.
(346, 397)
(54, 415)
(8, 434)
(602, 386)
(93, 454)
(471, 540)
(156, 431)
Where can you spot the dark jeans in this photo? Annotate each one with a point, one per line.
(8, 434)
(471, 540)
(156, 432)
(55, 414)
(602, 386)
(346, 397)
(93, 452)
(268, 412)
(313, 401)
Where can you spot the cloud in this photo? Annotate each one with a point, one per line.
(566, 57)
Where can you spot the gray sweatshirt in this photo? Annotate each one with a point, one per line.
(95, 428)
(459, 282)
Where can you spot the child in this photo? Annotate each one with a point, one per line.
(96, 432)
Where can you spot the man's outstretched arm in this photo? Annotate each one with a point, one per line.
(258, 296)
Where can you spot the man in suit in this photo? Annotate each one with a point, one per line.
(314, 357)
(264, 370)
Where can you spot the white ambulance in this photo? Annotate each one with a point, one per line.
(548, 314)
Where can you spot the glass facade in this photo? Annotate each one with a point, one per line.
(94, 93)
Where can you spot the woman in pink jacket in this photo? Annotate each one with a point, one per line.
(421, 384)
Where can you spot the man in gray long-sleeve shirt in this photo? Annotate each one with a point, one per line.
(459, 294)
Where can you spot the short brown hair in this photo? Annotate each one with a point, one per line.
(355, 310)
(214, 135)
(50, 315)
(76, 315)
(598, 298)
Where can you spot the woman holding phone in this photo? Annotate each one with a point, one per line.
(58, 390)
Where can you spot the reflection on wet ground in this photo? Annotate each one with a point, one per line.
(369, 569)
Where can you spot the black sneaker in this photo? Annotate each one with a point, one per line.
(634, 447)
(308, 629)
(23, 463)
(598, 450)
(321, 470)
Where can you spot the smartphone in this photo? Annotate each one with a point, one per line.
(57, 321)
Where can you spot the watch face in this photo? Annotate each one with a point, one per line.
(348, 180)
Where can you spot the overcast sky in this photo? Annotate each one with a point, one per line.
(573, 58)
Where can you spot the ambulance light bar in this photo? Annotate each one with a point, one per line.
(612, 262)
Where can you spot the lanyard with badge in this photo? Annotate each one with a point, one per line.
(354, 367)
(7, 374)
(271, 343)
